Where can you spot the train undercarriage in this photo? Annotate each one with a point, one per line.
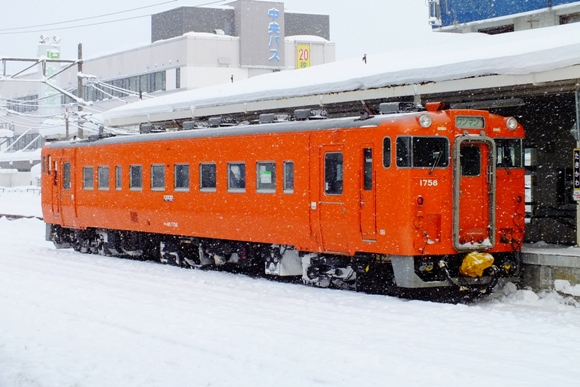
(404, 276)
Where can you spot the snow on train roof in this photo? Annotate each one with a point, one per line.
(443, 57)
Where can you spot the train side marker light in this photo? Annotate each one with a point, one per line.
(511, 123)
(425, 121)
(420, 200)
(518, 199)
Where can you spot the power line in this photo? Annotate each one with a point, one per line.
(85, 18)
(11, 31)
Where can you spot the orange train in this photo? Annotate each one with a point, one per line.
(413, 198)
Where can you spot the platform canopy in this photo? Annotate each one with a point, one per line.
(446, 64)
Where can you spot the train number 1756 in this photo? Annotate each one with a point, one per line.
(428, 183)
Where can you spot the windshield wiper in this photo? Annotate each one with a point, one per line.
(436, 163)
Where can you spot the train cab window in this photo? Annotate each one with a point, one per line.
(136, 177)
(103, 178)
(66, 181)
(333, 173)
(509, 153)
(181, 180)
(470, 160)
(118, 177)
(288, 177)
(88, 178)
(237, 177)
(158, 177)
(386, 152)
(422, 152)
(207, 177)
(266, 177)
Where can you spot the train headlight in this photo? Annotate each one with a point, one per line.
(511, 123)
(425, 121)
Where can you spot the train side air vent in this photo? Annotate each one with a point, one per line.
(267, 118)
(397, 107)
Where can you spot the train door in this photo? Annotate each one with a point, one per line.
(367, 194)
(52, 170)
(67, 197)
(474, 193)
(332, 209)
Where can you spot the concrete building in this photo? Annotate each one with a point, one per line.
(191, 47)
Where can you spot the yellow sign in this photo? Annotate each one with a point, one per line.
(302, 56)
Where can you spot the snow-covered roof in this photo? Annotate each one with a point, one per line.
(444, 58)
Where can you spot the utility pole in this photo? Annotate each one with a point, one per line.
(80, 88)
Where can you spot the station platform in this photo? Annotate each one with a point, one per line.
(543, 264)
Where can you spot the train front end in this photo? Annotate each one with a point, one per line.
(467, 218)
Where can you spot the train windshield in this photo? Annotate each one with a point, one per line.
(509, 152)
(422, 152)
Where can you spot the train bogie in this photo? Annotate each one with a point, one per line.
(401, 198)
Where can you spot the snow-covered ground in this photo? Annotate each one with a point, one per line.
(70, 319)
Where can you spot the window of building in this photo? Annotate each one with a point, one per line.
(237, 177)
(88, 178)
(103, 178)
(266, 176)
(333, 173)
(181, 172)
(497, 30)
(207, 177)
(136, 177)
(158, 177)
(386, 152)
(66, 182)
(177, 78)
(288, 176)
(118, 177)
(571, 18)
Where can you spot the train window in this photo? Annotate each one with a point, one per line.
(288, 176)
(158, 177)
(136, 177)
(88, 178)
(237, 177)
(43, 164)
(103, 178)
(207, 177)
(118, 177)
(368, 168)
(386, 152)
(470, 160)
(333, 173)
(266, 177)
(48, 164)
(509, 152)
(422, 152)
(181, 172)
(66, 182)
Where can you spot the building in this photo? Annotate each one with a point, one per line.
(191, 47)
(500, 16)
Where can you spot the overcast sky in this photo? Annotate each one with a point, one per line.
(356, 26)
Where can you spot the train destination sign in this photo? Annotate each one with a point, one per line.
(469, 122)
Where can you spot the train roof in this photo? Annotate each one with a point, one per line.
(418, 70)
(271, 128)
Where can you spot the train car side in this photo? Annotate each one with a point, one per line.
(337, 198)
